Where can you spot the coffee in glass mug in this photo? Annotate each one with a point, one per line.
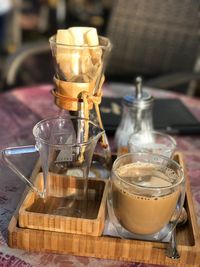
(146, 195)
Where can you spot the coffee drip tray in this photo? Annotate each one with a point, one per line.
(65, 210)
(63, 206)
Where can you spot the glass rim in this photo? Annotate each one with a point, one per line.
(153, 155)
(43, 140)
(52, 41)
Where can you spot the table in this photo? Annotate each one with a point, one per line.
(20, 109)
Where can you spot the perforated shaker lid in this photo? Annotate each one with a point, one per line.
(141, 98)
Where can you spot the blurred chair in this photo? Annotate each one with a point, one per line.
(156, 39)
(31, 64)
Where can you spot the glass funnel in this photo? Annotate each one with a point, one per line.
(81, 67)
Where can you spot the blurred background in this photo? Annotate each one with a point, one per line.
(157, 39)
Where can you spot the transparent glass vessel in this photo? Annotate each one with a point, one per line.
(79, 75)
(136, 117)
(146, 196)
(62, 149)
(63, 152)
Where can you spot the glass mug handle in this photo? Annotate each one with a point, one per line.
(10, 151)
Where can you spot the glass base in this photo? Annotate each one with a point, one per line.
(162, 236)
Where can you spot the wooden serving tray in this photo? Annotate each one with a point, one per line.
(188, 238)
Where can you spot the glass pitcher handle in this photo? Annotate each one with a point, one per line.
(10, 151)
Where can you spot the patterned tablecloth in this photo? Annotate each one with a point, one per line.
(20, 109)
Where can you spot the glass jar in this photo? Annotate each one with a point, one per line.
(136, 116)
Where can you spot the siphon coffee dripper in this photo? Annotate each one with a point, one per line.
(146, 196)
(80, 59)
(62, 151)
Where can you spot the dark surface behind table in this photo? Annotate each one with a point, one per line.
(169, 115)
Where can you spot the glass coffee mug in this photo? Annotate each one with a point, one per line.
(146, 196)
(65, 145)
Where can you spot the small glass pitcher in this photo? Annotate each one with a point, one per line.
(63, 150)
(159, 143)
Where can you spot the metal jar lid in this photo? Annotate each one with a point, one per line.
(141, 99)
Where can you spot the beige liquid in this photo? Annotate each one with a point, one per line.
(139, 213)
